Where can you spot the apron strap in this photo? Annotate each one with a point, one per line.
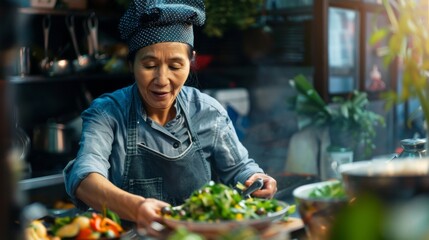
(195, 139)
(188, 123)
(132, 125)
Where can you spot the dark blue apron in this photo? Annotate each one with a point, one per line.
(151, 174)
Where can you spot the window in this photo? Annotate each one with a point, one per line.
(343, 50)
(377, 76)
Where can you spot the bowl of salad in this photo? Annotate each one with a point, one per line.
(318, 205)
(216, 209)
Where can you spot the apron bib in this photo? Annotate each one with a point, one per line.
(151, 174)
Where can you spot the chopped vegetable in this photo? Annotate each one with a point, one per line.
(88, 225)
(112, 215)
(95, 222)
(36, 231)
(82, 222)
(68, 230)
(85, 233)
(215, 202)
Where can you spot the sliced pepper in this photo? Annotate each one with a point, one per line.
(107, 223)
(84, 233)
(95, 222)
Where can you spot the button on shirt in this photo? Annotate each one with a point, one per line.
(104, 137)
(175, 134)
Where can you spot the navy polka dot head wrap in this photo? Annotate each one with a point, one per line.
(147, 22)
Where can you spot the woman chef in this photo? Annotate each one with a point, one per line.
(153, 143)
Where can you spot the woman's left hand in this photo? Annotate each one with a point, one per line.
(269, 188)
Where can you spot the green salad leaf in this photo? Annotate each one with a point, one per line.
(334, 190)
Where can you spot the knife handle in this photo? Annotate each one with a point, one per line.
(256, 185)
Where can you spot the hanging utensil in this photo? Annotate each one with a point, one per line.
(88, 40)
(92, 23)
(83, 62)
(46, 24)
(54, 67)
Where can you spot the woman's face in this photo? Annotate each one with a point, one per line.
(160, 71)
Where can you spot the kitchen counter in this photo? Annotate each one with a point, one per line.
(40, 182)
(52, 181)
(293, 227)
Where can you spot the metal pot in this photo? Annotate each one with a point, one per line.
(52, 138)
(390, 180)
(21, 143)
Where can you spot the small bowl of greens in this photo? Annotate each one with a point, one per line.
(217, 209)
(318, 204)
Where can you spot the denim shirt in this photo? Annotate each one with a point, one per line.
(104, 137)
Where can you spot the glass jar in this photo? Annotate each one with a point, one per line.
(413, 148)
(335, 157)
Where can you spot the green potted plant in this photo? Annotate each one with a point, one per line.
(407, 37)
(349, 121)
(223, 15)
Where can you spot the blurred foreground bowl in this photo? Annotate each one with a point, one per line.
(390, 200)
(318, 213)
(391, 181)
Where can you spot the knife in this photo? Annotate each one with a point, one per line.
(256, 185)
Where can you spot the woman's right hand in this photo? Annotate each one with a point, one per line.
(148, 214)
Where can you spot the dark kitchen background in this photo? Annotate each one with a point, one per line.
(246, 67)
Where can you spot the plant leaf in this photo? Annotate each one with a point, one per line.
(304, 87)
(378, 35)
(344, 111)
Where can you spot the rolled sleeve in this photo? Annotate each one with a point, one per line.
(73, 176)
(231, 157)
(93, 156)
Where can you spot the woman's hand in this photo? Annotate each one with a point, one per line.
(149, 216)
(269, 188)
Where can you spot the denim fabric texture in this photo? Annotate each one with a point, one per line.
(103, 145)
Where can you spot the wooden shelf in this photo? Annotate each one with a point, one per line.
(40, 182)
(64, 12)
(291, 10)
(69, 78)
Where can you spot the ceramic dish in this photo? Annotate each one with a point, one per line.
(220, 227)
